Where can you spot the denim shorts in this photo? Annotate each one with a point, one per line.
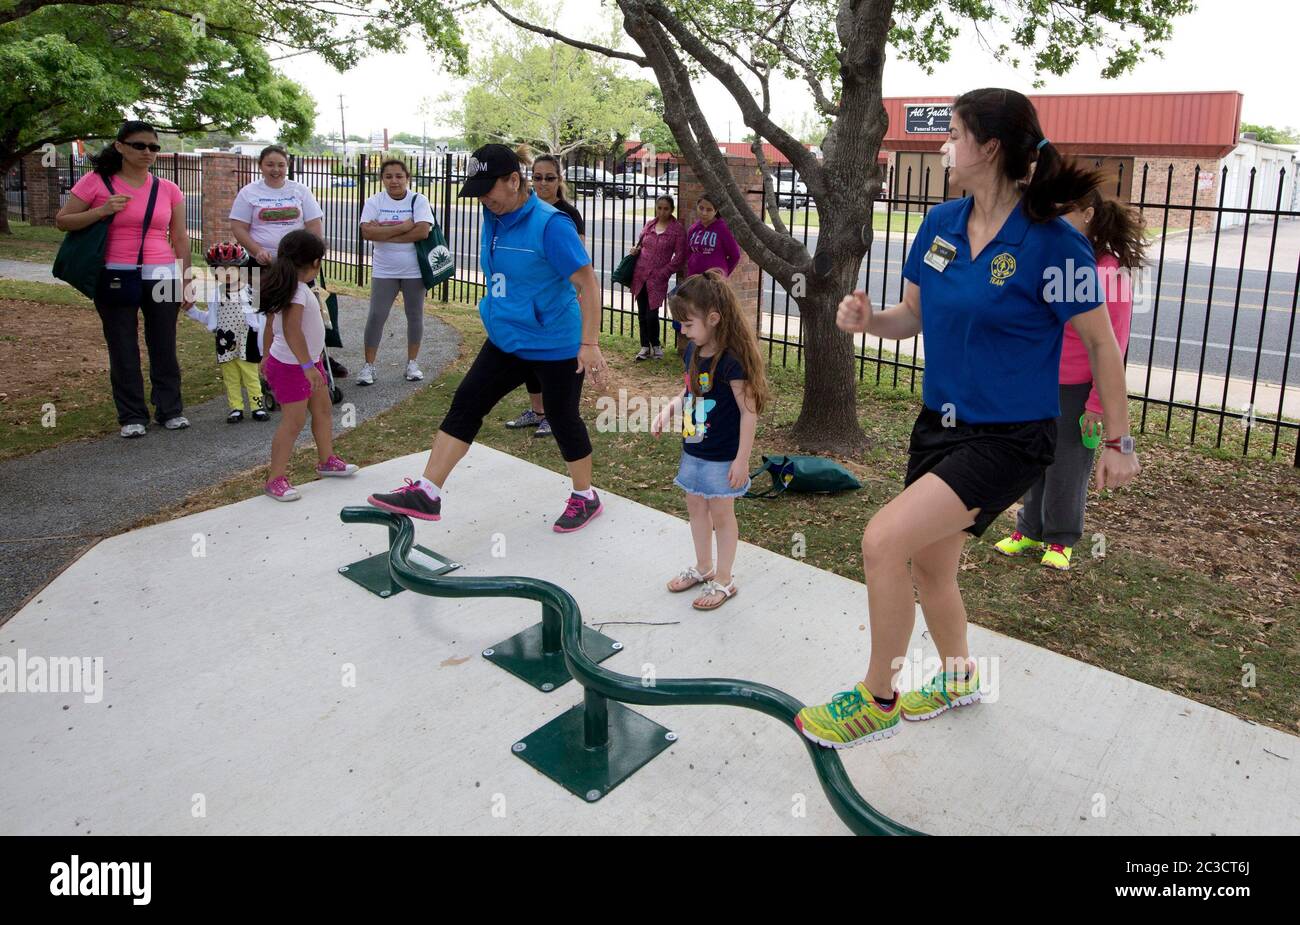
(706, 478)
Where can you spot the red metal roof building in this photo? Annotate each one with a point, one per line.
(1133, 137)
(1201, 125)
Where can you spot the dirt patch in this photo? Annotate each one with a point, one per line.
(46, 347)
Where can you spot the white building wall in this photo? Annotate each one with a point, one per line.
(1274, 165)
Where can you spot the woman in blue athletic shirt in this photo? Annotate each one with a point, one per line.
(990, 285)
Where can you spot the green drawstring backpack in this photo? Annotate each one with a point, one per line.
(803, 473)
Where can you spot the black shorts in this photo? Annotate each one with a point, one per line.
(494, 374)
(989, 466)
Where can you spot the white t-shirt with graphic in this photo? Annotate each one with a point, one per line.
(396, 261)
(273, 213)
(313, 327)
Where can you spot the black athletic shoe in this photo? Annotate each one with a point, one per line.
(578, 513)
(338, 369)
(411, 500)
(235, 416)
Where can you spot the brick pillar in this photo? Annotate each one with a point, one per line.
(223, 176)
(745, 278)
(42, 190)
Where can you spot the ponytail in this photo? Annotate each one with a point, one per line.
(1052, 185)
(108, 163)
(1116, 228)
(298, 250)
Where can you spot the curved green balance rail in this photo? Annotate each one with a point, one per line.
(600, 683)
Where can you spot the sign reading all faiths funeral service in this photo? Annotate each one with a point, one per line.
(928, 119)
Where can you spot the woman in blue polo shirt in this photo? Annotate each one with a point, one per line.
(541, 311)
(991, 281)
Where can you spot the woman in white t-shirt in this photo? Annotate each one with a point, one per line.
(395, 219)
(267, 210)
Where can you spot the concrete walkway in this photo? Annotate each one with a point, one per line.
(227, 706)
(56, 503)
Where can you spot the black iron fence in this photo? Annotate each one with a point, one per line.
(185, 170)
(1214, 327)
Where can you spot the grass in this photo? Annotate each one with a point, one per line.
(84, 402)
(38, 244)
(1176, 602)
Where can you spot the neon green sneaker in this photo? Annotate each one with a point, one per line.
(939, 694)
(1058, 557)
(851, 718)
(1017, 544)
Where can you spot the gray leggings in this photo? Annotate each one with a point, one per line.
(382, 294)
(1053, 511)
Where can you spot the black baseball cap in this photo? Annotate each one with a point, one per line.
(485, 166)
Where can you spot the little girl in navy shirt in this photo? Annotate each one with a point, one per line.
(725, 391)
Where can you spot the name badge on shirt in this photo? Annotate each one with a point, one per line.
(940, 254)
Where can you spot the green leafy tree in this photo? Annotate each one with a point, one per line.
(341, 32)
(555, 98)
(838, 49)
(1272, 136)
(77, 70)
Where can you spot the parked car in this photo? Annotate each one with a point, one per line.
(343, 181)
(650, 186)
(790, 190)
(592, 180)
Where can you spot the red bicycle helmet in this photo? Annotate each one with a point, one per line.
(225, 254)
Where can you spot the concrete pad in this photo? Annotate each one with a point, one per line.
(224, 677)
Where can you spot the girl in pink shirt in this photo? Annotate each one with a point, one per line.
(1051, 521)
(293, 348)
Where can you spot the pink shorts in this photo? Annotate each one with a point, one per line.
(288, 382)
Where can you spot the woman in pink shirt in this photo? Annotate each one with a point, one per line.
(661, 251)
(1051, 521)
(119, 188)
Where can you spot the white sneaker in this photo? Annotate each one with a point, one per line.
(656, 353)
(413, 373)
(180, 422)
(367, 375)
(133, 430)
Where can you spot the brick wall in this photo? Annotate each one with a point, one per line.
(745, 278)
(1178, 187)
(223, 176)
(42, 190)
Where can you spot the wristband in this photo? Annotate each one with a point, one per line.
(585, 344)
(306, 366)
(1092, 435)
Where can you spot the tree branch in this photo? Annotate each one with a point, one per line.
(638, 60)
(724, 73)
(780, 255)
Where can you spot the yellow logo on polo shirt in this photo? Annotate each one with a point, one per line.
(1003, 267)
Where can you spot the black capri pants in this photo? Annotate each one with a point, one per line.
(495, 374)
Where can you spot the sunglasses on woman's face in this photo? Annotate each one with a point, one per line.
(141, 146)
(545, 178)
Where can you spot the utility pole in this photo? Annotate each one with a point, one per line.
(342, 129)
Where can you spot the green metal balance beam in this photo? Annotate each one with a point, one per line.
(600, 725)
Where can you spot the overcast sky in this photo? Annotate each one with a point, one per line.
(1244, 45)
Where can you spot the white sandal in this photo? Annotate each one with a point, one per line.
(692, 575)
(712, 587)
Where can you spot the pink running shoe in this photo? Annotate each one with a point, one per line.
(335, 466)
(281, 490)
(411, 500)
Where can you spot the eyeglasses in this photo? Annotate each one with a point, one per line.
(141, 146)
(545, 178)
